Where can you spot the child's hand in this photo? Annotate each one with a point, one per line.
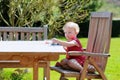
(54, 40)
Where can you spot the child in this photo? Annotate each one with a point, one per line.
(71, 31)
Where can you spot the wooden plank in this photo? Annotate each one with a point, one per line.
(22, 29)
(16, 34)
(11, 36)
(22, 36)
(39, 35)
(0, 36)
(28, 36)
(33, 36)
(100, 14)
(5, 35)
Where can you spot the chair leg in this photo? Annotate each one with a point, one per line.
(77, 78)
(62, 78)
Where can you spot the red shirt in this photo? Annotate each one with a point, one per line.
(80, 58)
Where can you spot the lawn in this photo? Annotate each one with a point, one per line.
(113, 66)
(112, 69)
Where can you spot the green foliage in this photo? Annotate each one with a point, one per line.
(72, 10)
(1, 74)
(26, 12)
(18, 74)
(22, 12)
(3, 9)
(54, 13)
(94, 5)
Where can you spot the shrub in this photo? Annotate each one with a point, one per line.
(55, 13)
(18, 74)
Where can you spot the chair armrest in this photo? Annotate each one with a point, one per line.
(84, 49)
(78, 53)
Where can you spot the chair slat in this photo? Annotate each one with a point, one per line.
(16, 34)
(0, 36)
(11, 35)
(92, 34)
(34, 36)
(5, 35)
(22, 36)
(39, 35)
(28, 36)
(100, 14)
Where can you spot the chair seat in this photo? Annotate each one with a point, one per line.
(65, 72)
(72, 73)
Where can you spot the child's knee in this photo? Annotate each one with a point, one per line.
(70, 62)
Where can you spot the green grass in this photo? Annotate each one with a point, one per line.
(113, 66)
(112, 69)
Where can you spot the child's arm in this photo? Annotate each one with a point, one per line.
(64, 43)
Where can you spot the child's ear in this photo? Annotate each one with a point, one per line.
(76, 33)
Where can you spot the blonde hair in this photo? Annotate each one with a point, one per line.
(72, 25)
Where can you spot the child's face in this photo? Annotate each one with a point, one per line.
(70, 33)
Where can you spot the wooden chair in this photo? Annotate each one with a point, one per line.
(97, 50)
(27, 34)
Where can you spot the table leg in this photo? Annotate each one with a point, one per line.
(47, 71)
(35, 70)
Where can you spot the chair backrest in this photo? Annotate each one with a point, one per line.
(23, 33)
(99, 35)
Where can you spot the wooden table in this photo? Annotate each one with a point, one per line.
(29, 53)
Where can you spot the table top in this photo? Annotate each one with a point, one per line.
(30, 47)
(29, 54)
